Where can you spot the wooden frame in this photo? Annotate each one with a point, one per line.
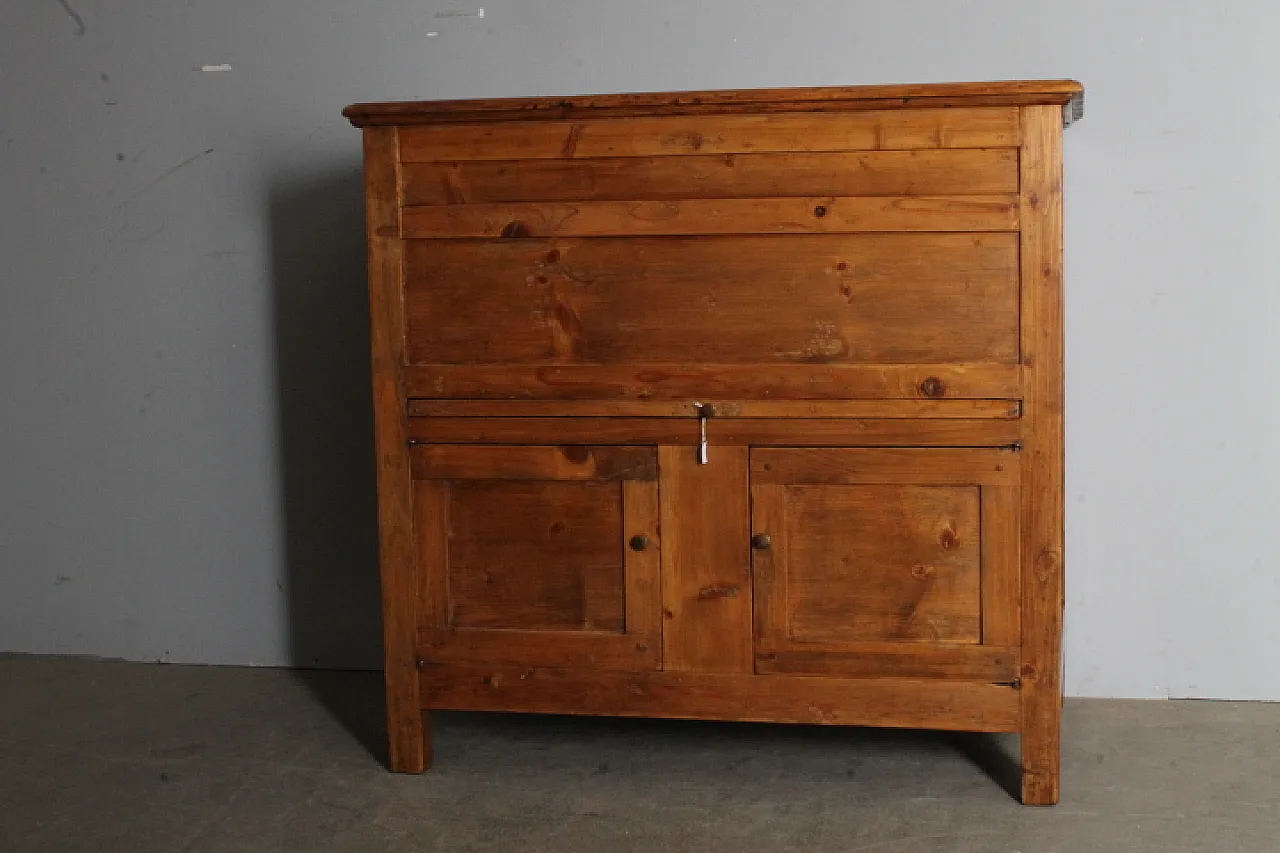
(873, 172)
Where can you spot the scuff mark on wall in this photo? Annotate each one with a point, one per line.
(158, 180)
(81, 29)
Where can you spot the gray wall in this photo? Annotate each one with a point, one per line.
(184, 440)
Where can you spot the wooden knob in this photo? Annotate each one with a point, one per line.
(639, 542)
(761, 541)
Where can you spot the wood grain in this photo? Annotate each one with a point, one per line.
(694, 216)
(641, 517)
(1042, 488)
(776, 299)
(1001, 581)
(882, 562)
(859, 409)
(729, 134)
(892, 702)
(991, 664)
(730, 101)
(532, 555)
(666, 381)
(706, 583)
(564, 462)
(959, 466)
(405, 724)
(726, 432)
(586, 651)
(431, 514)
(859, 173)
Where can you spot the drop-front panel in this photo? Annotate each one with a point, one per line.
(723, 405)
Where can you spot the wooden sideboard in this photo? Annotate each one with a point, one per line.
(741, 405)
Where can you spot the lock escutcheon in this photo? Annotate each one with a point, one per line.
(761, 541)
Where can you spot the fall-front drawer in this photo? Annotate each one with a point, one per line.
(538, 555)
(832, 299)
(886, 561)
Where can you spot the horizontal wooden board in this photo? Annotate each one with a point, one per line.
(823, 432)
(994, 664)
(566, 462)
(942, 466)
(820, 215)
(697, 381)
(721, 408)
(861, 130)
(973, 171)
(812, 98)
(596, 650)
(891, 702)
(776, 299)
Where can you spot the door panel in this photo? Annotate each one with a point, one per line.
(884, 563)
(895, 561)
(539, 555)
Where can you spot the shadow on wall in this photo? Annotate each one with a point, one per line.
(321, 316)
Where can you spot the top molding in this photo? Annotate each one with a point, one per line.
(1067, 93)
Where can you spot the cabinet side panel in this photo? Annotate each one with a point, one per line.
(706, 582)
(1042, 491)
(405, 728)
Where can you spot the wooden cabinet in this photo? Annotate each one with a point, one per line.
(723, 405)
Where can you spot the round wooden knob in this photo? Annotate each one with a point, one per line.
(761, 541)
(639, 542)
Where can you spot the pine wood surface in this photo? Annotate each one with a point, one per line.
(855, 293)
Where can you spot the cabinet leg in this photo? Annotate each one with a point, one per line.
(409, 740)
(1040, 751)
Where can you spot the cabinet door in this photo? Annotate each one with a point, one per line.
(538, 555)
(886, 561)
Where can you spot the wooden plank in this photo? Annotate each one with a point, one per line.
(890, 702)
(888, 298)
(640, 512)
(860, 173)
(967, 409)
(905, 96)
(1042, 491)
(893, 561)
(941, 466)
(405, 725)
(693, 216)
(564, 462)
(992, 664)
(697, 381)
(1001, 585)
(769, 567)
(730, 134)
(706, 582)
(536, 555)
(431, 508)
(721, 432)
(582, 650)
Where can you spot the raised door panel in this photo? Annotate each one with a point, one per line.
(893, 561)
(538, 555)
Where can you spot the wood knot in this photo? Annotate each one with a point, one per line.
(932, 387)
(576, 454)
(516, 230)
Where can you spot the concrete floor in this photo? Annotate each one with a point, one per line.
(104, 756)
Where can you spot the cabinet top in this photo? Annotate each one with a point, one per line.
(725, 101)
